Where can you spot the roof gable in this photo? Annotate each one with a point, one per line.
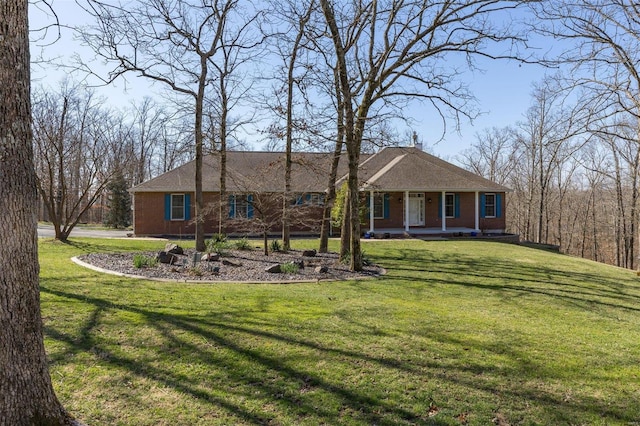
(411, 169)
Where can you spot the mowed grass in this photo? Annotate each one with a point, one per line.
(457, 332)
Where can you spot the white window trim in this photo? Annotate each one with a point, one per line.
(453, 204)
(183, 207)
(236, 203)
(495, 207)
(381, 195)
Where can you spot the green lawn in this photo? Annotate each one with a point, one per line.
(458, 332)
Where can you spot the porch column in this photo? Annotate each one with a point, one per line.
(444, 211)
(371, 215)
(406, 211)
(477, 211)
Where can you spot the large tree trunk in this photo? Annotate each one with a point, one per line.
(26, 393)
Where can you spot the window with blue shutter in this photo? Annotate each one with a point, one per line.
(489, 205)
(380, 205)
(174, 206)
(450, 205)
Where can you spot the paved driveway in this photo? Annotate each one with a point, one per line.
(46, 231)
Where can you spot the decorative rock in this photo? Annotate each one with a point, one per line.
(173, 249)
(168, 258)
(321, 269)
(215, 270)
(230, 263)
(309, 253)
(273, 269)
(210, 257)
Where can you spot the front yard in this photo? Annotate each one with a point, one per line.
(458, 332)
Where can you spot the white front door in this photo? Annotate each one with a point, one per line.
(416, 209)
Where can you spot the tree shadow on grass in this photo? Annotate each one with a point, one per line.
(580, 289)
(234, 347)
(249, 369)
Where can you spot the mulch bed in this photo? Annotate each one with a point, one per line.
(236, 265)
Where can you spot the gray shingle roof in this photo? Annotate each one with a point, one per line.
(411, 169)
(255, 171)
(391, 169)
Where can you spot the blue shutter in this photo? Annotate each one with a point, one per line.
(385, 206)
(307, 198)
(232, 206)
(167, 206)
(249, 206)
(298, 199)
(187, 206)
(498, 205)
(456, 200)
(440, 205)
(483, 202)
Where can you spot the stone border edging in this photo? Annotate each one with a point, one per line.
(79, 262)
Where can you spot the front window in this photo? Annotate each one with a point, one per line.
(308, 199)
(450, 205)
(378, 206)
(240, 206)
(490, 205)
(177, 206)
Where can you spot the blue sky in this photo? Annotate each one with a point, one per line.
(502, 90)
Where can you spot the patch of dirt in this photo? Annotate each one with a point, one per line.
(236, 265)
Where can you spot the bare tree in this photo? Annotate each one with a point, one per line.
(26, 392)
(172, 42)
(78, 147)
(602, 39)
(150, 122)
(290, 58)
(391, 51)
(493, 156)
(547, 139)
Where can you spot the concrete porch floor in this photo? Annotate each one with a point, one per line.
(436, 233)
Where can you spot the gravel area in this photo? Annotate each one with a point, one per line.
(236, 265)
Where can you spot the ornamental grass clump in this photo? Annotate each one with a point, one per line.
(275, 246)
(142, 261)
(289, 268)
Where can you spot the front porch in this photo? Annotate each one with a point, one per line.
(427, 213)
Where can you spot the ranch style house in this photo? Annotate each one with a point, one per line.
(404, 191)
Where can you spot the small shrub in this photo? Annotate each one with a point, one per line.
(275, 245)
(243, 244)
(142, 261)
(218, 244)
(289, 268)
